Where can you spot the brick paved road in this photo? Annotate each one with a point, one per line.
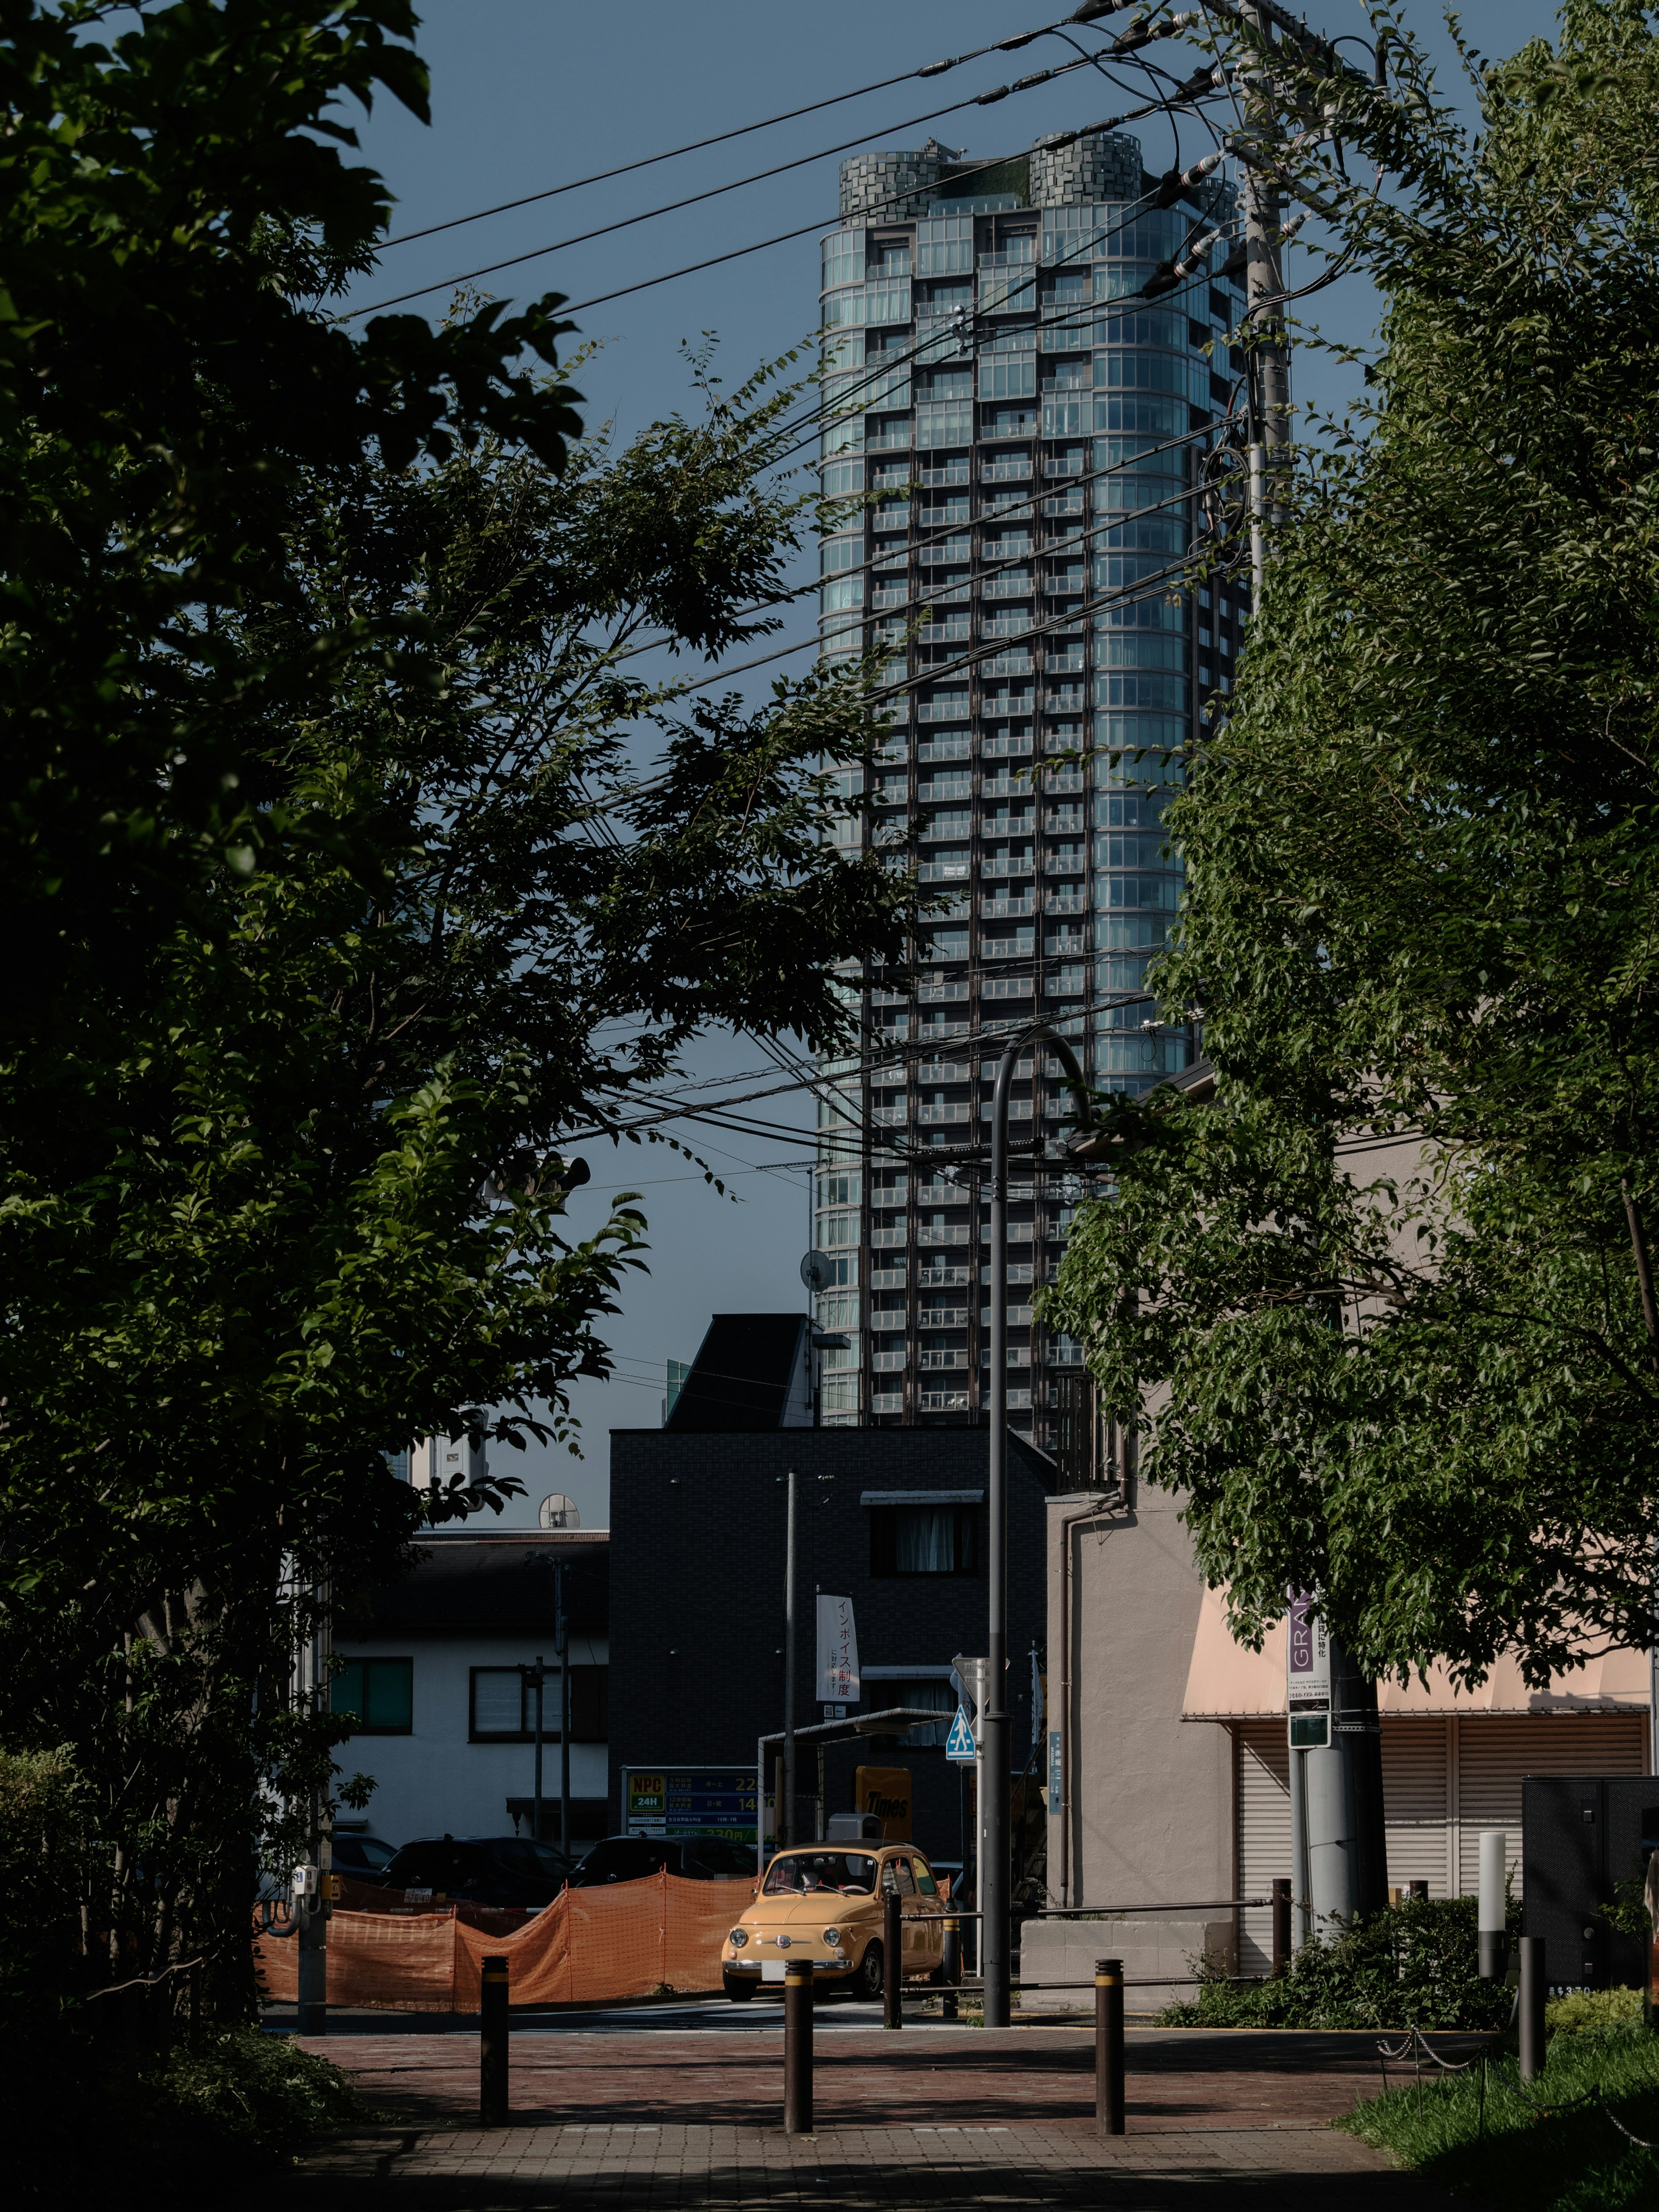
(936, 2117)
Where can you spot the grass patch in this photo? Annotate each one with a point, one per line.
(1532, 2162)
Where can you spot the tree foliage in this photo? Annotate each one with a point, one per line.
(175, 202)
(1381, 1292)
(367, 868)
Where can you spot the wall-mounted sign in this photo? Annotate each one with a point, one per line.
(838, 1652)
(886, 1791)
(690, 1801)
(1307, 1676)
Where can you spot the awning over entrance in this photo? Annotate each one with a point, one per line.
(1226, 1683)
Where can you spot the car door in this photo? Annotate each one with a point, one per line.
(899, 1874)
(930, 1918)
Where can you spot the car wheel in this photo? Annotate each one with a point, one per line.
(739, 1987)
(868, 1979)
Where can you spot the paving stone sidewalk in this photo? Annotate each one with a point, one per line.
(962, 2118)
(602, 2168)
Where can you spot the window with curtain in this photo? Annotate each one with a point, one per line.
(924, 1539)
(504, 1705)
(928, 1693)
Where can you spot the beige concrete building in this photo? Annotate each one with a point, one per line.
(1169, 1774)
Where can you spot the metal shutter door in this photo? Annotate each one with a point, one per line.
(1494, 1755)
(1416, 1802)
(1263, 1798)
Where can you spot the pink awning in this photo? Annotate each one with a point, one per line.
(1224, 1682)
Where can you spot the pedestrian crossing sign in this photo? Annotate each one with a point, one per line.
(961, 1745)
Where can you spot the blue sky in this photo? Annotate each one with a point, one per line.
(529, 93)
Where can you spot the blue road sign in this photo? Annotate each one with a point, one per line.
(961, 1745)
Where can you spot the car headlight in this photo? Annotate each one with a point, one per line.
(832, 1937)
(738, 1938)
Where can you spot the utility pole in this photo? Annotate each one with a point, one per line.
(785, 1822)
(313, 1911)
(1347, 1839)
(561, 1638)
(1269, 353)
(538, 1676)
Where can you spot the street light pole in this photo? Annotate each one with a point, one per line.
(537, 1676)
(994, 1819)
(561, 1638)
(784, 1823)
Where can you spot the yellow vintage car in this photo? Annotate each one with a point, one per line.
(828, 1903)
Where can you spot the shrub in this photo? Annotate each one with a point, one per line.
(232, 2103)
(41, 1822)
(1592, 2014)
(1414, 1965)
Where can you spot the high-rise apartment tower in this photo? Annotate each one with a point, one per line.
(1030, 423)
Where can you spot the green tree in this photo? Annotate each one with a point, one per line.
(248, 1252)
(1423, 900)
(175, 202)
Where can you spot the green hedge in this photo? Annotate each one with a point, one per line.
(1414, 1965)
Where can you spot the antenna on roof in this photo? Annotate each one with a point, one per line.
(818, 1271)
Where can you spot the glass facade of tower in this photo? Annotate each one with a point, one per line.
(1030, 430)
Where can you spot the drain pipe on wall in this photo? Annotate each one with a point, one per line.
(1109, 1504)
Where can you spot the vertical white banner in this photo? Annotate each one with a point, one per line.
(1307, 1675)
(838, 1652)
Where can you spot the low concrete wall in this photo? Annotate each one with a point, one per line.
(1151, 1949)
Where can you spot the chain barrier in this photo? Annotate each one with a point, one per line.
(1417, 2047)
(1591, 2096)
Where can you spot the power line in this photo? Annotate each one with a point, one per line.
(863, 1063)
(782, 238)
(1079, 313)
(721, 137)
(968, 659)
(715, 192)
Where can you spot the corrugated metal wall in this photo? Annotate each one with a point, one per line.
(1443, 1781)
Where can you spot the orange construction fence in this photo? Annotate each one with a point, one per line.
(628, 1940)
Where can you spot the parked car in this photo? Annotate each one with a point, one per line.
(627, 1858)
(361, 1858)
(481, 1870)
(831, 1904)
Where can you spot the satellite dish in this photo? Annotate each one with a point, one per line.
(559, 1511)
(818, 1271)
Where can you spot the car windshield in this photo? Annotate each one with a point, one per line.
(720, 1858)
(435, 1866)
(798, 1872)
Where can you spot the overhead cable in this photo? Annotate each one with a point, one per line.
(716, 191)
(782, 238)
(721, 137)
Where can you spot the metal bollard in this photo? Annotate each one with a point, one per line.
(951, 1966)
(1282, 1924)
(492, 2045)
(892, 1980)
(1108, 2046)
(1535, 1988)
(797, 2048)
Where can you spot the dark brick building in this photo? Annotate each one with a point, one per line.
(894, 1518)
